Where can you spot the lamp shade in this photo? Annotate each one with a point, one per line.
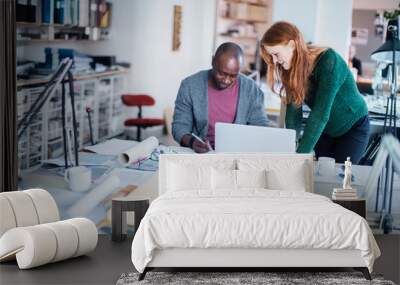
(385, 52)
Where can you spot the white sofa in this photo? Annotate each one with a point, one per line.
(31, 233)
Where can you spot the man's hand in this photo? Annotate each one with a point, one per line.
(198, 146)
(201, 147)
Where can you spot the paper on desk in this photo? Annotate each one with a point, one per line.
(145, 165)
(141, 151)
(174, 149)
(94, 196)
(112, 146)
(131, 176)
(151, 164)
(85, 158)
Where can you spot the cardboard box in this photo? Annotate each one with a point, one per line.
(256, 13)
(238, 10)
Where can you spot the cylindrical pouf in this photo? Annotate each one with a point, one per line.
(7, 218)
(23, 208)
(41, 244)
(87, 234)
(67, 239)
(34, 245)
(45, 205)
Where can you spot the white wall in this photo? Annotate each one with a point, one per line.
(334, 22)
(323, 22)
(365, 19)
(301, 13)
(143, 36)
(156, 68)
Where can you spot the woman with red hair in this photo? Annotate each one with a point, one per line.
(338, 124)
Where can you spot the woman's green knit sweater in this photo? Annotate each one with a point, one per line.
(334, 100)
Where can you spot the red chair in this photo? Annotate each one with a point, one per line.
(140, 100)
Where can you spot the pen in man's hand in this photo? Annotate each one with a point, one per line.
(202, 141)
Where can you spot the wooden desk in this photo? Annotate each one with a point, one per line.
(364, 80)
(364, 85)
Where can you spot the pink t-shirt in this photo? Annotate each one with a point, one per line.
(221, 108)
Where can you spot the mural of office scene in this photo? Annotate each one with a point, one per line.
(174, 142)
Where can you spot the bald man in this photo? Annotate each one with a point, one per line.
(220, 94)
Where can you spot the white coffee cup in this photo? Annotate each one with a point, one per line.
(79, 178)
(326, 166)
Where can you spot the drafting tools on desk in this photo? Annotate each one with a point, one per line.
(63, 71)
(69, 147)
(89, 111)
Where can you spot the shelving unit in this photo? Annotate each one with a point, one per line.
(27, 41)
(243, 22)
(43, 32)
(49, 20)
(62, 21)
(43, 138)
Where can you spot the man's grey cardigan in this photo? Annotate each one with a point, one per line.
(191, 105)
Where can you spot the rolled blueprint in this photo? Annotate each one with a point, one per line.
(140, 151)
(94, 197)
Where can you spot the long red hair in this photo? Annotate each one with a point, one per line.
(295, 80)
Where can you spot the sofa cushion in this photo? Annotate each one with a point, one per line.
(23, 208)
(26, 208)
(7, 216)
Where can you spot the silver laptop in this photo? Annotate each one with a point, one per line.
(245, 138)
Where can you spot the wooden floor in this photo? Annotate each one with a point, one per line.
(389, 263)
(103, 266)
(110, 260)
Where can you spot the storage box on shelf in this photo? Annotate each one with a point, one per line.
(243, 22)
(43, 138)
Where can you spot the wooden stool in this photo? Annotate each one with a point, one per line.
(118, 211)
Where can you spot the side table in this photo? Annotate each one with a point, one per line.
(358, 206)
(118, 214)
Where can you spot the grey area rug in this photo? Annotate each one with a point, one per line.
(228, 278)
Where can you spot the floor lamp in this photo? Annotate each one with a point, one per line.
(63, 71)
(389, 53)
